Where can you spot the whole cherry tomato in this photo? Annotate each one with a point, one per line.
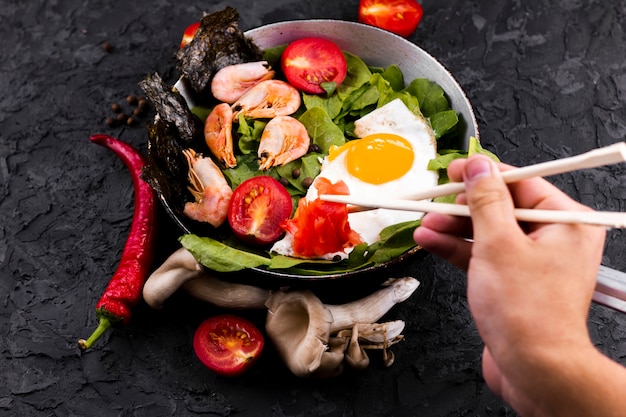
(257, 208)
(309, 62)
(189, 33)
(398, 16)
(227, 344)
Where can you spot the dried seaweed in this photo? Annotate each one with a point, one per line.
(166, 167)
(218, 42)
(173, 109)
(174, 128)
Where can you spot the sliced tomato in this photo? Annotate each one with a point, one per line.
(398, 16)
(257, 208)
(227, 344)
(309, 62)
(190, 31)
(321, 227)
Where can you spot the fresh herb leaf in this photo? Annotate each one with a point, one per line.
(443, 122)
(431, 96)
(323, 132)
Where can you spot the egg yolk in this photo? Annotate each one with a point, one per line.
(377, 158)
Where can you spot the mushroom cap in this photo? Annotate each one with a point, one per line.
(299, 324)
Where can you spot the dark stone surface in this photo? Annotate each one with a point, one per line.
(547, 80)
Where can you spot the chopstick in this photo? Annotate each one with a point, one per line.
(607, 155)
(595, 218)
(598, 157)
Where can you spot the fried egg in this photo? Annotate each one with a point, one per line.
(389, 160)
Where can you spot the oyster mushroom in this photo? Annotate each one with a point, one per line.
(306, 332)
(299, 324)
(181, 270)
(371, 336)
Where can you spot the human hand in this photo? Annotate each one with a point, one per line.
(529, 286)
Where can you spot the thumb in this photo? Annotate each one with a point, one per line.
(488, 197)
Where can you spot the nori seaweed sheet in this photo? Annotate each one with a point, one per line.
(172, 108)
(217, 43)
(174, 128)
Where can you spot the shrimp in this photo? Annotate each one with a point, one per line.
(209, 189)
(284, 139)
(233, 81)
(218, 134)
(267, 99)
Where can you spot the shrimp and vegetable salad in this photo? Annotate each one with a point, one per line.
(260, 134)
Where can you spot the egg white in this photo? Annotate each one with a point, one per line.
(394, 117)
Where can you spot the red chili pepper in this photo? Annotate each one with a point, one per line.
(124, 289)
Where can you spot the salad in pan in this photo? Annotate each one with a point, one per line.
(245, 142)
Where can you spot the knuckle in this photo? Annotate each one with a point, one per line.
(486, 197)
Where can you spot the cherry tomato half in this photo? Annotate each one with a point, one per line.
(398, 16)
(228, 345)
(189, 33)
(257, 208)
(309, 62)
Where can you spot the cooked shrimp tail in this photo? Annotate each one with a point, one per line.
(284, 139)
(233, 81)
(209, 188)
(267, 99)
(218, 134)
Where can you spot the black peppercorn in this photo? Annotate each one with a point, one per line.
(306, 183)
(107, 46)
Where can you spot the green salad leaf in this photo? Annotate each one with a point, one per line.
(446, 156)
(219, 257)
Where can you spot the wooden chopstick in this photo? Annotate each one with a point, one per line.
(595, 218)
(598, 157)
(607, 155)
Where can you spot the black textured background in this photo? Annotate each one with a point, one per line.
(547, 79)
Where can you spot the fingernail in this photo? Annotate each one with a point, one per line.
(477, 168)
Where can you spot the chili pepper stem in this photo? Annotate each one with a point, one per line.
(103, 326)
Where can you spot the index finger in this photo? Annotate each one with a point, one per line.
(529, 193)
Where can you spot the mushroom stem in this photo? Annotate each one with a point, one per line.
(372, 307)
(178, 268)
(181, 270)
(226, 294)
